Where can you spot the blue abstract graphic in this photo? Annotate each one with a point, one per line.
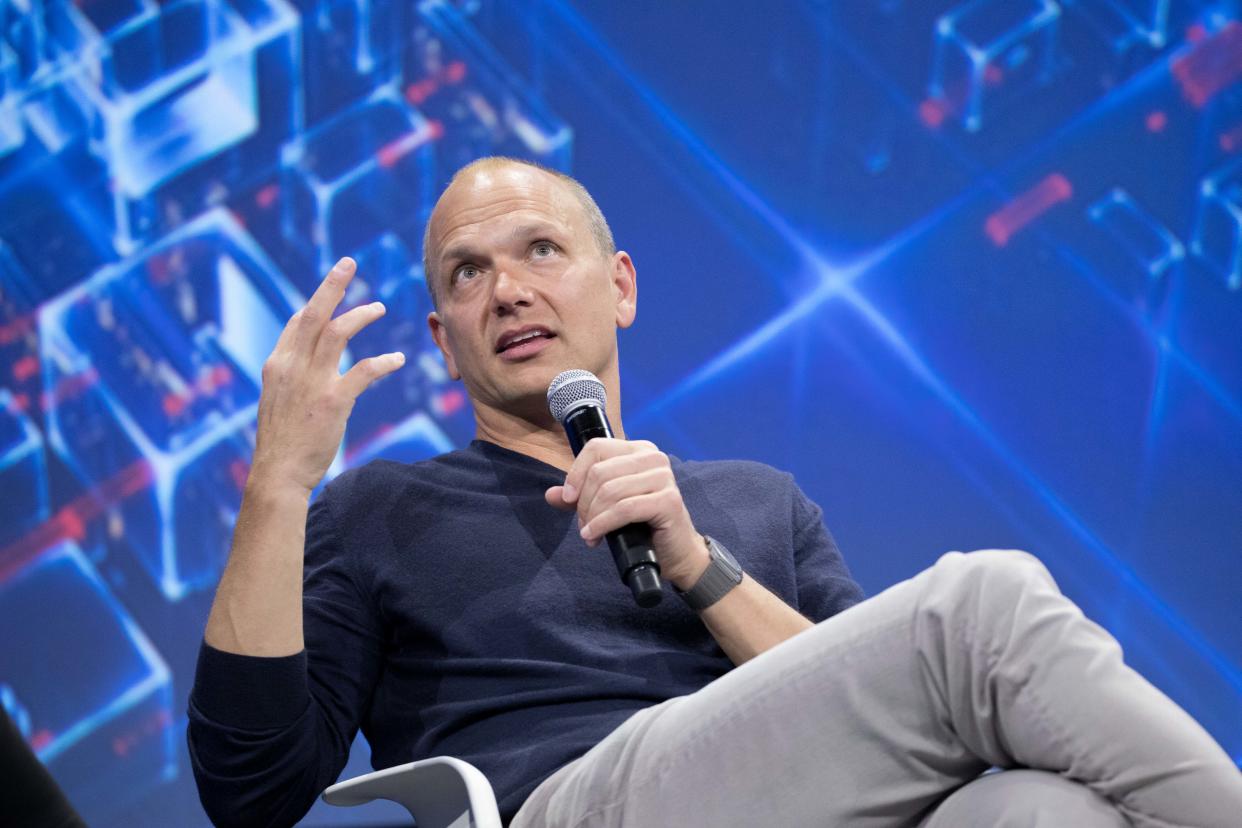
(971, 270)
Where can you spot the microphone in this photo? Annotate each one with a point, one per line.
(577, 400)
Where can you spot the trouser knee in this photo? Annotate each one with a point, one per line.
(1026, 798)
(987, 595)
(994, 573)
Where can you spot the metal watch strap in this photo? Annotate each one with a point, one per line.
(722, 574)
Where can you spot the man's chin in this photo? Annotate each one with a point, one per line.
(529, 399)
(524, 392)
(534, 379)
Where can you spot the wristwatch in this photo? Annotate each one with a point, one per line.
(722, 574)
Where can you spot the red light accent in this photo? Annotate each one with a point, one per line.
(1002, 225)
(1212, 65)
(239, 471)
(1231, 139)
(16, 328)
(174, 404)
(267, 196)
(391, 153)
(1196, 32)
(22, 401)
(69, 387)
(436, 129)
(932, 112)
(41, 739)
(71, 524)
(455, 72)
(352, 453)
(420, 91)
(70, 521)
(1156, 121)
(451, 402)
(153, 724)
(158, 270)
(211, 380)
(25, 368)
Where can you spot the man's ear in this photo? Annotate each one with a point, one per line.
(440, 334)
(625, 285)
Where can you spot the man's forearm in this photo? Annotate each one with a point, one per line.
(258, 606)
(614, 482)
(750, 620)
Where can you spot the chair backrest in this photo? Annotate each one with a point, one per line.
(439, 793)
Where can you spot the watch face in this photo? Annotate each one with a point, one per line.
(722, 575)
(718, 550)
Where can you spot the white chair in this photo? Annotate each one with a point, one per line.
(439, 793)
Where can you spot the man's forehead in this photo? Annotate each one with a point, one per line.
(501, 178)
(528, 194)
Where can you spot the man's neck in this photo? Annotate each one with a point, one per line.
(543, 438)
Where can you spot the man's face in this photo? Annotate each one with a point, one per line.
(524, 290)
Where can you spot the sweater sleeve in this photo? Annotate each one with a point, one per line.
(29, 795)
(267, 735)
(825, 586)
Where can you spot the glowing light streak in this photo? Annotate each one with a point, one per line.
(1214, 64)
(935, 383)
(69, 523)
(1002, 225)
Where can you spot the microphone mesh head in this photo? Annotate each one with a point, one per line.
(573, 389)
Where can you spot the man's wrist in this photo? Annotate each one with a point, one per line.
(722, 576)
(268, 484)
(697, 560)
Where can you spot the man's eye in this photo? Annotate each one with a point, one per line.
(543, 249)
(466, 272)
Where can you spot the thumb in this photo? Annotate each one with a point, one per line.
(555, 497)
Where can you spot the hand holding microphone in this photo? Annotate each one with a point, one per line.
(623, 491)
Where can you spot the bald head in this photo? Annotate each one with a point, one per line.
(471, 175)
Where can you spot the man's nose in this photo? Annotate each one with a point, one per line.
(510, 291)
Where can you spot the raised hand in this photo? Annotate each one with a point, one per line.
(305, 400)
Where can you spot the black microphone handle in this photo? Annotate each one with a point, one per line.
(631, 547)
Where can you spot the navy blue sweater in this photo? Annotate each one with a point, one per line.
(450, 611)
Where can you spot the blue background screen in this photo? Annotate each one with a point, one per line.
(972, 271)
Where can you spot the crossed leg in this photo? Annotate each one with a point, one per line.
(1024, 798)
(874, 716)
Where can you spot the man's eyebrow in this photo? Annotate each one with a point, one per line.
(455, 254)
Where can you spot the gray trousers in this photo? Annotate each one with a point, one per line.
(887, 714)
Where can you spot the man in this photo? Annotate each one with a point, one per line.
(450, 610)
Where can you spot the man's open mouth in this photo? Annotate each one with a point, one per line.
(523, 339)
